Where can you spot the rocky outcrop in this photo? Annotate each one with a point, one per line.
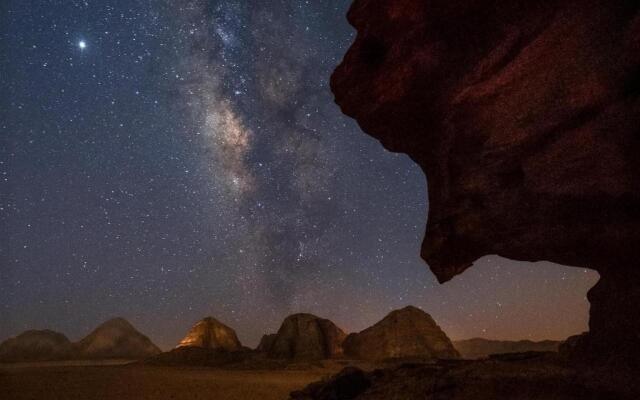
(534, 377)
(481, 348)
(266, 342)
(33, 345)
(209, 343)
(525, 118)
(209, 333)
(405, 333)
(305, 337)
(116, 338)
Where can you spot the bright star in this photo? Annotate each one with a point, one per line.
(82, 44)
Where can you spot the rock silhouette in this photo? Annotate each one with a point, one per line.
(209, 333)
(116, 338)
(34, 345)
(481, 348)
(404, 333)
(209, 343)
(306, 337)
(532, 376)
(524, 117)
(266, 342)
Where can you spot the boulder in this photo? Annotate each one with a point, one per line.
(116, 338)
(306, 337)
(34, 345)
(404, 333)
(524, 117)
(209, 333)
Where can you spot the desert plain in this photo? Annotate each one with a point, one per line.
(120, 380)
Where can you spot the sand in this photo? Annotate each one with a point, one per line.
(121, 382)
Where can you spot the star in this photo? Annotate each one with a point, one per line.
(82, 45)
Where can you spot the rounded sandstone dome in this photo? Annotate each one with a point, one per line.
(306, 337)
(116, 338)
(35, 345)
(210, 333)
(405, 333)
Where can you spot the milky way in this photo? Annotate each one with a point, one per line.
(189, 160)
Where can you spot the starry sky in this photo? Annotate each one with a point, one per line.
(169, 160)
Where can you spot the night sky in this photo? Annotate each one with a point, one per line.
(169, 160)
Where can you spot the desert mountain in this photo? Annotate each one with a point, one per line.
(266, 342)
(305, 337)
(116, 338)
(408, 332)
(210, 333)
(481, 348)
(35, 345)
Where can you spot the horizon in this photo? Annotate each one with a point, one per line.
(253, 346)
(170, 347)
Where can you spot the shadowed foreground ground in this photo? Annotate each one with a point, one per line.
(124, 382)
(515, 376)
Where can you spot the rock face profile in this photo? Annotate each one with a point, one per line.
(209, 333)
(35, 345)
(482, 348)
(525, 118)
(404, 333)
(305, 337)
(116, 338)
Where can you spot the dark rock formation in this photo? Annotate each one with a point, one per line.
(35, 345)
(347, 384)
(573, 344)
(116, 338)
(481, 348)
(210, 333)
(525, 118)
(266, 342)
(405, 333)
(525, 379)
(306, 337)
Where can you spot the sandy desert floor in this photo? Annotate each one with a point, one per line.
(123, 382)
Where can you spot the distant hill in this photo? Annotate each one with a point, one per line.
(209, 333)
(405, 333)
(304, 337)
(45, 345)
(116, 338)
(481, 348)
